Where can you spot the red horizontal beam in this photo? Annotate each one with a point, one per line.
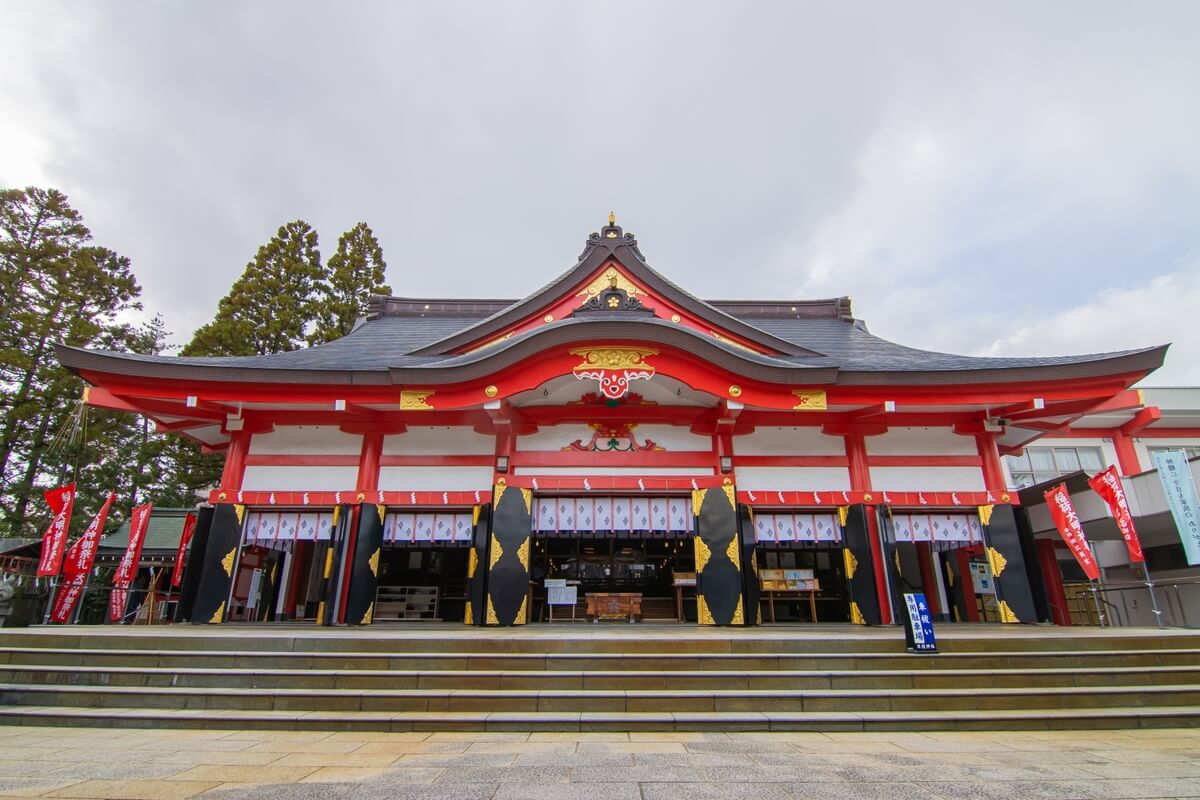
(639, 458)
(930, 501)
(319, 499)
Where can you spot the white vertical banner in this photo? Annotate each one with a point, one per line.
(1180, 488)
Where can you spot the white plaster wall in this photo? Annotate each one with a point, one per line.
(590, 472)
(1143, 448)
(439, 441)
(306, 440)
(294, 479)
(921, 442)
(434, 479)
(772, 441)
(927, 479)
(793, 479)
(554, 438)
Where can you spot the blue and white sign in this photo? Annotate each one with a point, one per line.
(918, 625)
(1180, 489)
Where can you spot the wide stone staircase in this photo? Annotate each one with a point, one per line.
(623, 677)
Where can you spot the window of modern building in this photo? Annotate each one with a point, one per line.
(1038, 464)
(1190, 450)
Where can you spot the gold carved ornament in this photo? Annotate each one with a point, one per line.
(527, 496)
(415, 401)
(472, 563)
(468, 615)
(491, 618)
(328, 563)
(1006, 614)
(996, 561)
(240, 510)
(730, 493)
(732, 554)
(703, 554)
(739, 616)
(501, 486)
(851, 563)
(382, 511)
(227, 562)
(369, 617)
(497, 552)
(523, 554)
(698, 500)
(985, 514)
(610, 278)
(703, 615)
(474, 515)
(810, 400)
(896, 559)
(321, 613)
(843, 514)
(219, 614)
(522, 612)
(373, 562)
(491, 391)
(856, 617)
(616, 357)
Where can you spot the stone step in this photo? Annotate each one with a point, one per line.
(545, 639)
(472, 660)
(261, 678)
(533, 700)
(1135, 716)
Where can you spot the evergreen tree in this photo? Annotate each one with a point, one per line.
(356, 271)
(271, 307)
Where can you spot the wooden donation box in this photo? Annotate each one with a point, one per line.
(681, 580)
(789, 582)
(606, 605)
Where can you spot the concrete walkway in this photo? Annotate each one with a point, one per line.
(167, 764)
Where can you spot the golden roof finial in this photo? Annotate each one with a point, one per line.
(612, 218)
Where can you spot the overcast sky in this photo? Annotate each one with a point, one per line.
(1000, 179)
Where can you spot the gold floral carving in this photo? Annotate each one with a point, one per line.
(415, 401)
(219, 614)
(240, 510)
(703, 615)
(527, 496)
(856, 617)
(850, 561)
(373, 562)
(985, 514)
(1006, 614)
(523, 554)
(369, 617)
(468, 615)
(810, 400)
(605, 280)
(472, 563)
(996, 561)
(227, 562)
(522, 611)
(497, 552)
(739, 616)
(843, 514)
(698, 500)
(491, 618)
(501, 485)
(614, 358)
(703, 554)
(732, 554)
(381, 510)
(727, 487)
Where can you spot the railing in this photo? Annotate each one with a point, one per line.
(1173, 613)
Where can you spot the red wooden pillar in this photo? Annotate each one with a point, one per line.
(235, 462)
(971, 606)
(989, 457)
(1056, 594)
(1127, 457)
(368, 481)
(860, 481)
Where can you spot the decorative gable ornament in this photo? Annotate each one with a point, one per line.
(614, 367)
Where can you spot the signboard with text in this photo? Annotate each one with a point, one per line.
(918, 625)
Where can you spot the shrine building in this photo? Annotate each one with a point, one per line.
(612, 437)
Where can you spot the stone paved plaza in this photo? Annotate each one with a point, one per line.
(152, 764)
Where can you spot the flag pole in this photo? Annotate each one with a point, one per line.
(1091, 583)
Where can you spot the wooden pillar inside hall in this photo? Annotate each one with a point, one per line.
(860, 481)
(1056, 593)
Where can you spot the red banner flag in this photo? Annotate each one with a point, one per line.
(80, 558)
(189, 527)
(139, 520)
(54, 540)
(1108, 485)
(1067, 522)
